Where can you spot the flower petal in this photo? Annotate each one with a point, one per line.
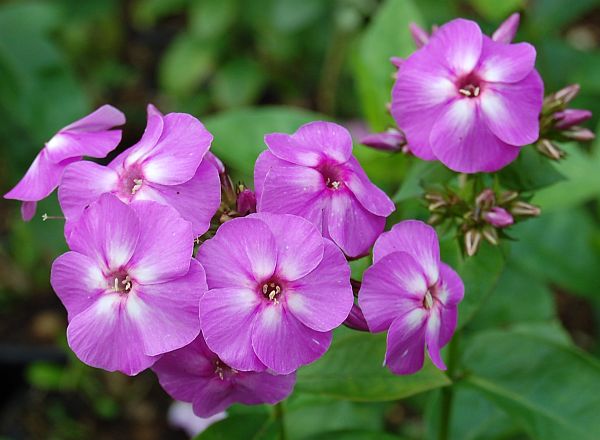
(283, 343)
(350, 226)
(152, 133)
(459, 42)
(242, 254)
(253, 388)
(28, 210)
(299, 244)
(462, 141)
(322, 299)
(227, 317)
(107, 232)
(370, 196)
(405, 352)
(77, 280)
(312, 143)
(165, 244)
(392, 287)
(451, 289)
(82, 183)
(103, 118)
(177, 154)
(440, 328)
(167, 313)
(415, 238)
(512, 111)
(104, 336)
(505, 63)
(215, 397)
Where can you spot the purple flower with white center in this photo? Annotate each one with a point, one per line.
(498, 217)
(277, 289)
(468, 101)
(166, 166)
(91, 136)
(313, 174)
(129, 284)
(195, 374)
(413, 295)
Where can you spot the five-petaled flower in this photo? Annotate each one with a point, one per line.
(195, 374)
(129, 284)
(313, 174)
(413, 295)
(277, 289)
(90, 136)
(467, 100)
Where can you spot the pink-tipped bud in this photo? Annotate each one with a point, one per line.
(579, 134)
(396, 61)
(390, 140)
(498, 217)
(356, 320)
(567, 94)
(419, 35)
(549, 149)
(570, 117)
(525, 209)
(486, 199)
(246, 202)
(508, 29)
(491, 235)
(472, 242)
(507, 196)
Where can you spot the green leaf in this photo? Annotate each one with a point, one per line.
(387, 35)
(549, 389)
(419, 175)
(353, 435)
(252, 426)
(479, 273)
(495, 10)
(239, 134)
(352, 369)
(212, 18)
(238, 83)
(531, 171)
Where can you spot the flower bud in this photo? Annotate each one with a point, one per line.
(435, 219)
(549, 149)
(525, 209)
(507, 30)
(570, 117)
(389, 140)
(419, 35)
(246, 202)
(396, 61)
(472, 241)
(579, 134)
(486, 199)
(567, 94)
(356, 320)
(498, 217)
(491, 235)
(507, 196)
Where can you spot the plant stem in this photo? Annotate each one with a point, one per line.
(279, 418)
(447, 392)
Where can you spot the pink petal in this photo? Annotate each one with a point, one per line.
(107, 232)
(253, 388)
(103, 118)
(242, 254)
(104, 336)
(152, 133)
(165, 244)
(392, 287)
(283, 343)
(508, 29)
(350, 226)
(415, 238)
(299, 244)
(459, 44)
(227, 317)
(511, 111)
(179, 151)
(167, 313)
(28, 210)
(322, 299)
(422, 88)
(370, 196)
(462, 141)
(311, 143)
(449, 318)
(506, 63)
(451, 289)
(406, 343)
(77, 280)
(214, 397)
(432, 337)
(266, 160)
(82, 183)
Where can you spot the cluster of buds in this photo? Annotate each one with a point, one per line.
(236, 200)
(485, 218)
(560, 123)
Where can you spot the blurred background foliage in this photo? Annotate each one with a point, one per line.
(529, 350)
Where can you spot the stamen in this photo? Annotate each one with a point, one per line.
(137, 186)
(116, 284)
(271, 291)
(428, 300)
(476, 91)
(46, 217)
(468, 92)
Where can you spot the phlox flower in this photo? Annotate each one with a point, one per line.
(90, 136)
(413, 295)
(277, 289)
(313, 174)
(195, 374)
(166, 166)
(467, 100)
(129, 284)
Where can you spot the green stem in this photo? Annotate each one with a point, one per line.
(447, 392)
(279, 418)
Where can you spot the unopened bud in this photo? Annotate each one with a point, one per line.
(246, 202)
(472, 242)
(389, 140)
(580, 134)
(485, 199)
(507, 196)
(567, 94)
(491, 235)
(570, 117)
(419, 35)
(549, 149)
(525, 209)
(356, 320)
(508, 29)
(435, 219)
(396, 61)
(498, 217)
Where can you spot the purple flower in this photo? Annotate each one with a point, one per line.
(277, 289)
(413, 295)
(313, 174)
(246, 202)
(195, 374)
(467, 100)
(166, 166)
(498, 217)
(90, 136)
(129, 284)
